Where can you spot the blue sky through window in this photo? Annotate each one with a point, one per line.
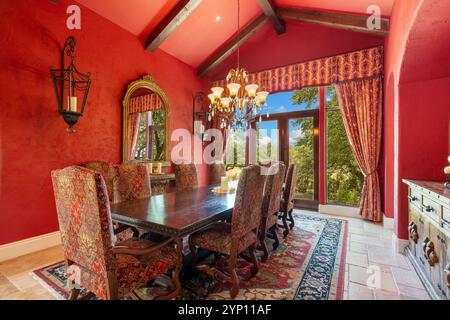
(281, 103)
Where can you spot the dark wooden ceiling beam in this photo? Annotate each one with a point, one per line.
(232, 45)
(270, 10)
(336, 20)
(171, 21)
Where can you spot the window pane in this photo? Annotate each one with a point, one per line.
(344, 178)
(236, 154)
(266, 141)
(301, 153)
(141, 144)
(298, 100)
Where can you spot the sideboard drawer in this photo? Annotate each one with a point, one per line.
(432, 209)
(415, 198)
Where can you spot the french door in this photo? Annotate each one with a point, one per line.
(296, 141)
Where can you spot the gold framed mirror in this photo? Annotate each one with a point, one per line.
(145, 133)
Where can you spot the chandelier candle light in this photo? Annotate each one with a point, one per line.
(240, 101)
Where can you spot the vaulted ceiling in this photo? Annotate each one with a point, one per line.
(210, 23)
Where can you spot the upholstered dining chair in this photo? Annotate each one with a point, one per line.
(287, 200)
(110, 173)
(185, 176)
(271, 207)
(93, 261)
(232, 239)
(134, 182)
(216, 172)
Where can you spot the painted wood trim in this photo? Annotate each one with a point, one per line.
(20, 248)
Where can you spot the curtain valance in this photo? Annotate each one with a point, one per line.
(148, 102)
(367, 63)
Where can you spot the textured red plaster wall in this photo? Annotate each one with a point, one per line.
(417, 113)
(33, 137)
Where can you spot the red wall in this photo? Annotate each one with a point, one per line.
(300, 43)
(417, 114)
(33, 137)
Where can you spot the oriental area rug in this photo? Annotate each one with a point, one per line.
(308, 265)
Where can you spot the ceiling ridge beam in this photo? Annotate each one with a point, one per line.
(337, 20)
(232, 45)
(270, 10)
(170, 23)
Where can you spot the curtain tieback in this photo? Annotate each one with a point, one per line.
(370, 173)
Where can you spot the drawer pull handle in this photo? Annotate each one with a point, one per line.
(445, 223)
(413, 234)
(428, 208)
(413, 198)
(429, 252)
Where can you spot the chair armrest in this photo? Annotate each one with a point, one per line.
(121, 249)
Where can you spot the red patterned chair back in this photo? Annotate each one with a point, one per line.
(185, 176)
(247, 206)
(289, 186)
(84, 219)
(272, 190)
(134, 182)
(216, 172)
(109, 173)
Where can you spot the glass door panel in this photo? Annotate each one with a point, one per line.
(301, 153)
(267, 141)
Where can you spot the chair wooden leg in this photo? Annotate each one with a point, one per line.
(176, 283)
(285, 224)
(234, 280)
(255, 268)
(74, 293)
(291, 218)
(276, 244)
(193, 250)
(262, 242)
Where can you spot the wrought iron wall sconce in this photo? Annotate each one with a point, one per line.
(76, 83)
(200, 115)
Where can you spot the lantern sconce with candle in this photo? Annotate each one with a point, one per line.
(76, 83)
(200, 115)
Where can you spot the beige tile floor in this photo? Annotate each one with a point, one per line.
(369, 252)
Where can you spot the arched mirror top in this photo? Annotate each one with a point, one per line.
(145, 122)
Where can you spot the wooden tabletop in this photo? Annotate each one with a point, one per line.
(177, 213)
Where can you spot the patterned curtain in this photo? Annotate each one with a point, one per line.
(133, 132)
(148, 102)
(361, 64)
(361, 107)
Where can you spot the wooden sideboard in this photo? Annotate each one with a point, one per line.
(429, 235)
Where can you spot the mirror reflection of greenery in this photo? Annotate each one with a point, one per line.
(156, 122)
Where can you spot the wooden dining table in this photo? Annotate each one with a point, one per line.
(176, 214)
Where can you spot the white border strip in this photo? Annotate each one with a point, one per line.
(16, 249)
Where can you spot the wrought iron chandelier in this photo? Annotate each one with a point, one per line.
(238, 103)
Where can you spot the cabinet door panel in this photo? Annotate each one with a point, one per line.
(445, 282)
(434, 256)
(413, 229)
(423, 230)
